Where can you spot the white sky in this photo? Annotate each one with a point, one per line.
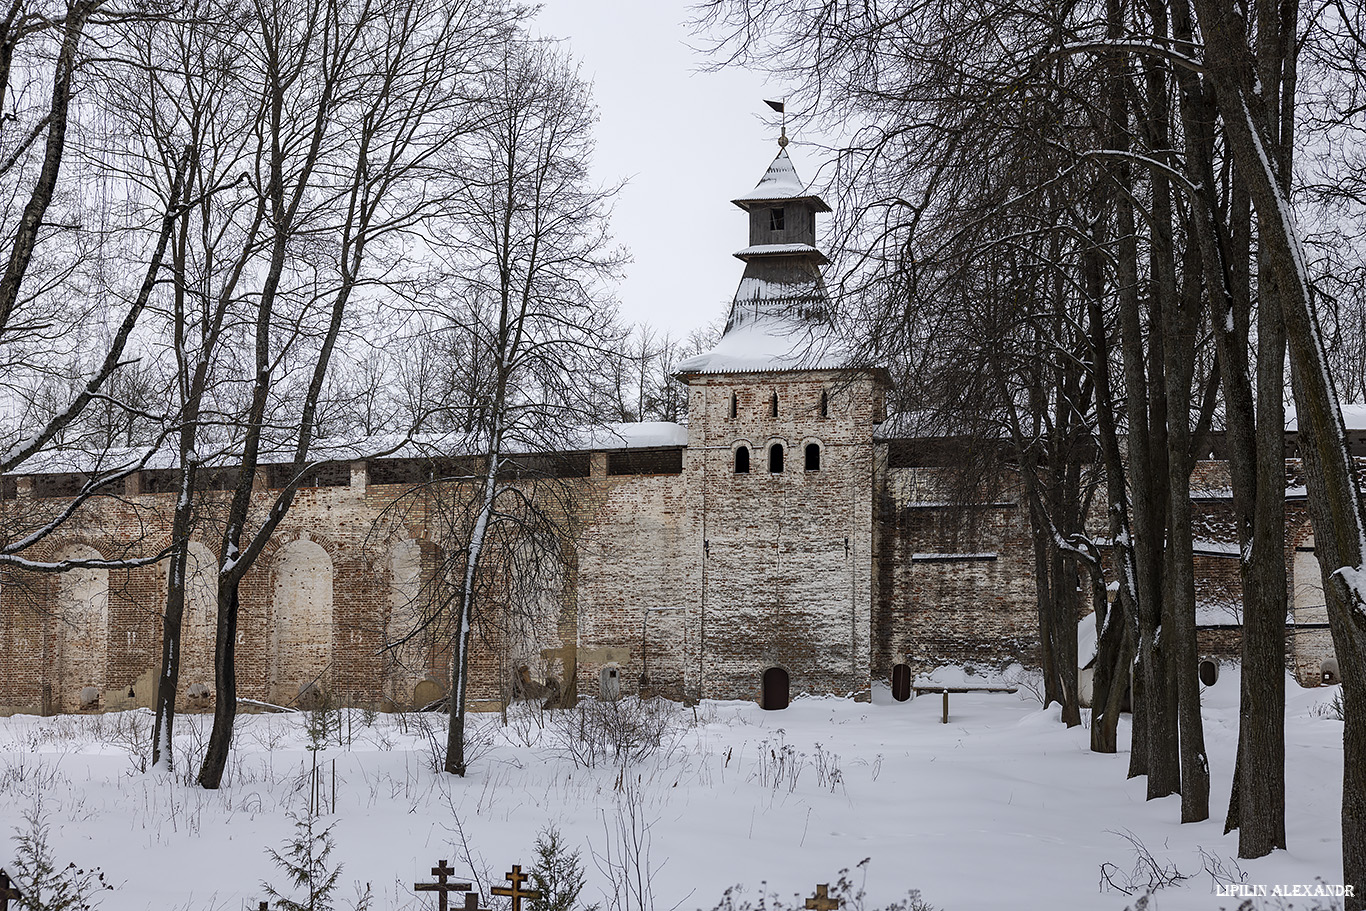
(688, 142)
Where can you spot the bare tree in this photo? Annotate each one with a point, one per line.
(313, 128)
(523, 246)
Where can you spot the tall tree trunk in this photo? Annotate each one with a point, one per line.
(1334, 499)
(455, 732)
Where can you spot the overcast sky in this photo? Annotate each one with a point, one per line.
(688, 142)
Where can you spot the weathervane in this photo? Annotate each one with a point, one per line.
(781, 108)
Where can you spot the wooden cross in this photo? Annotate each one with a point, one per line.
(264, 906)
(822, 901)
(7, 891)
(471, 902)
(515, 891)
(441, 887)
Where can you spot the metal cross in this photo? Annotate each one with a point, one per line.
(822, 901)
(7, 891)
(515, 892)
(441, 887)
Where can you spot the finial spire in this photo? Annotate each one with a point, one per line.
(781, 108)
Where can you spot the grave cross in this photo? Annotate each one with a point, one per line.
(7, 891)
(515, 891)
(471, 902)
(441, 887)
(822, 901)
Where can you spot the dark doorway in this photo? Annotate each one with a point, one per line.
(901, 682)
(1209, 672)
(775, 689)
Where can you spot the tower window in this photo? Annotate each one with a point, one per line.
(825, 404)
(775, 458)
(773, 405)
(813, 457)
(775, 219)
(734, 404)
(742, 460)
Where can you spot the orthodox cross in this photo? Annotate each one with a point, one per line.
(515, 891)
(822, 901)
(442, 888)
(7, 891)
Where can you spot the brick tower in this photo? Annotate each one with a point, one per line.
(780, 465)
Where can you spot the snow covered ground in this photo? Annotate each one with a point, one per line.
(1000, 808)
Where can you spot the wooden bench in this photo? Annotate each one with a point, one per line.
(921, 689)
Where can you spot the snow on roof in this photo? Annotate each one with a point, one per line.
(779, 182)
(765, 291)
(1353, 416)
(773, 343)
(777, 249)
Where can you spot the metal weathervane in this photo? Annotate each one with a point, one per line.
(781, 108)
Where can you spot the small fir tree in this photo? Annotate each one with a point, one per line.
(557, 875)
(306, 862)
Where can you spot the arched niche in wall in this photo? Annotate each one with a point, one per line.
(408, 628)
(1309, 604)
(198, 627)
(301, 634)
(82, 631)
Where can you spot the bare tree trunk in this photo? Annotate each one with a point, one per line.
(1334, 498)
(455, 732)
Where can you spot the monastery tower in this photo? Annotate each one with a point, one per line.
(779, 467)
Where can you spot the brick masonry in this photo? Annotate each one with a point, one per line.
(683, 575)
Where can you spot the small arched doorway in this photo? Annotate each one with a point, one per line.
(901, 682)
(774, 692)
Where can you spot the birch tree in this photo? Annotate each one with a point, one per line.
(523, 248)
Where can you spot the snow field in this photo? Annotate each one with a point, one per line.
(1000, 808)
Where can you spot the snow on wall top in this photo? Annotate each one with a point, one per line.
(764, 345)
(639, 435)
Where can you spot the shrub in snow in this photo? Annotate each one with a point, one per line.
(624, 731)
(44, 885)
(851, 897)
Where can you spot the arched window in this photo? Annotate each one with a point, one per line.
(825, 404)
(775, 458)
(773, 405)
(742, 460)
(734, 404)
(774, 691)
(813, 456)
